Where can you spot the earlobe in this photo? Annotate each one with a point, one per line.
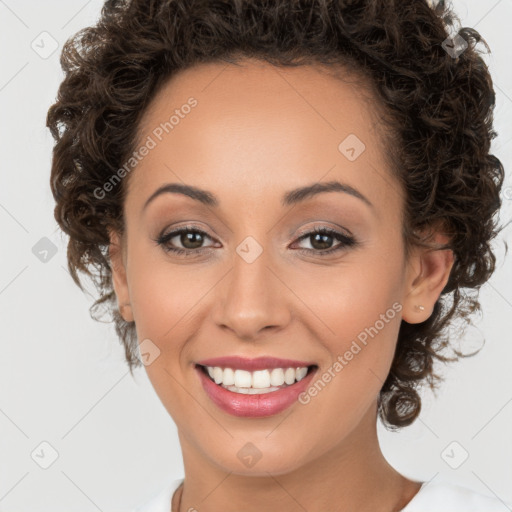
(119, 280)
(429, 271)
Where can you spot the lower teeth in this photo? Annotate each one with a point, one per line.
(252, 391)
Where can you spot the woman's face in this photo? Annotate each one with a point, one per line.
(253, 285)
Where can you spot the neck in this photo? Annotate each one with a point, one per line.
(354, 475)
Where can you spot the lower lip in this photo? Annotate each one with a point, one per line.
(254, 406)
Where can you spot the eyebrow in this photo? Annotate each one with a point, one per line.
(290, 198)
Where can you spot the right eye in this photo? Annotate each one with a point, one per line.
(189, 237)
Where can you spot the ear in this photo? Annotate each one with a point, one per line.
(428, 271)
(118, 268)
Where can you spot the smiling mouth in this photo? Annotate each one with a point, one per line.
(255, 382)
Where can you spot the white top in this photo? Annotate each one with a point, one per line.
(432, 497)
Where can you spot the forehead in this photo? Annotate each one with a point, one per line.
(255, 93)
(258, 128)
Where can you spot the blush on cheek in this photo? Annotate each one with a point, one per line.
(161, 300)
(369, 336)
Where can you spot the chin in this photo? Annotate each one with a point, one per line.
(257, 459)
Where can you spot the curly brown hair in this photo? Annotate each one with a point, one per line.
(437, 105)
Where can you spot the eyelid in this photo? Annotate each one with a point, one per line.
(178, 229)
(338, 230)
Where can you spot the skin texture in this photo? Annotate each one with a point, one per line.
(256, 133)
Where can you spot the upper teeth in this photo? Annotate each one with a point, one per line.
(258, 379)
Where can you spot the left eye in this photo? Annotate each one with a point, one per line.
(320, 240)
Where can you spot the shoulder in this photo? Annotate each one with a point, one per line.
(434, 497)
(160, 502)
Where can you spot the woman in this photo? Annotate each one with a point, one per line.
(281, 203)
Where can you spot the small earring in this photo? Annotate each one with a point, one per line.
(419, 307)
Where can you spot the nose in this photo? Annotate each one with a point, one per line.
(252, 298)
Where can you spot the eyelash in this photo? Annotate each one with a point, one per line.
(345, 241)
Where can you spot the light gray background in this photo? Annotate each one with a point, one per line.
(63, 378)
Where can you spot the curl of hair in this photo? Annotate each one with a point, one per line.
(438, 112)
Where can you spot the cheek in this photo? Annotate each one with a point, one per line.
(163, 295)
(359, 307)
(363, 320)
(165, 300)
(355, 295)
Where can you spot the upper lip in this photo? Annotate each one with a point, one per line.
(258, 363)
